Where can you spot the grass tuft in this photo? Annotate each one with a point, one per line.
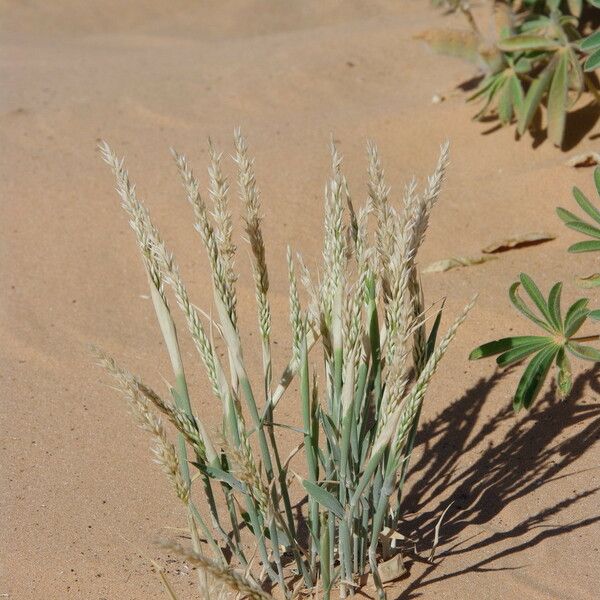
(366, 308)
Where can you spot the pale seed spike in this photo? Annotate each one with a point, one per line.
(223, 291)
(296, 320)
(218, 191)
(163, 450)
(379, 202)
(234, 580)
(412, 402)
(250, 197)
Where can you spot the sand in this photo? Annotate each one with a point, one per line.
(82, 504)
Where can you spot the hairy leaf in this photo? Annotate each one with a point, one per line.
(517, 354)
(587, 246)
(505, 344)
(585, 352)
(533, 377)
(557, 100)
(534, 97)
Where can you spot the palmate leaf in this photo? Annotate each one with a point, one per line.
(576, 223)
(546, 349)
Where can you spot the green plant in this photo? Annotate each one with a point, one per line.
(537, 58)
(358, 424)
(560, 339)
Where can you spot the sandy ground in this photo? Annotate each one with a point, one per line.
(82, 505)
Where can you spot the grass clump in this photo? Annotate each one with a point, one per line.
(366, 311)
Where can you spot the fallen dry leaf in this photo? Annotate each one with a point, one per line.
(456, 261)
(392, 569)
(589, 282)
(518, 241)
(587, 159)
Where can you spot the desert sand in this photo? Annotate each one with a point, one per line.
(82, 504)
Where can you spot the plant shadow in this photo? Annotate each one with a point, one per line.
(536, 450)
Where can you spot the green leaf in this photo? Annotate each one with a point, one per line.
(520, 43)
(585, 352)
(594, 315)
(534, 293)
(324, 498)
(593, 61)
(533, 377)
(564, 377)
(534, 97)
(574, 322)
(557, 100)
(597, 179)
(505, 107)
(591, 41)
(517, 95)
(430, 346)
(587, 246)
(584, 228)
(524, 309)
(585, 204)
(577, 305)
(484, 87)
(220, 475)
(504, 345)
(554, 306)
(566, 216)
(518, 354)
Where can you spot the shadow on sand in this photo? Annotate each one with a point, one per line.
(537, 449)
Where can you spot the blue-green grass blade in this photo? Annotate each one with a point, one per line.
(324, 498)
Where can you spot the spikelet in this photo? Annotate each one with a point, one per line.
(250, 196)
(233, 579)
(296, 321)
(218, 189)
(163, 450)
(224, 292)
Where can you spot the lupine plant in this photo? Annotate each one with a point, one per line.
(559, 340)
(537, 58)
(366, 312)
